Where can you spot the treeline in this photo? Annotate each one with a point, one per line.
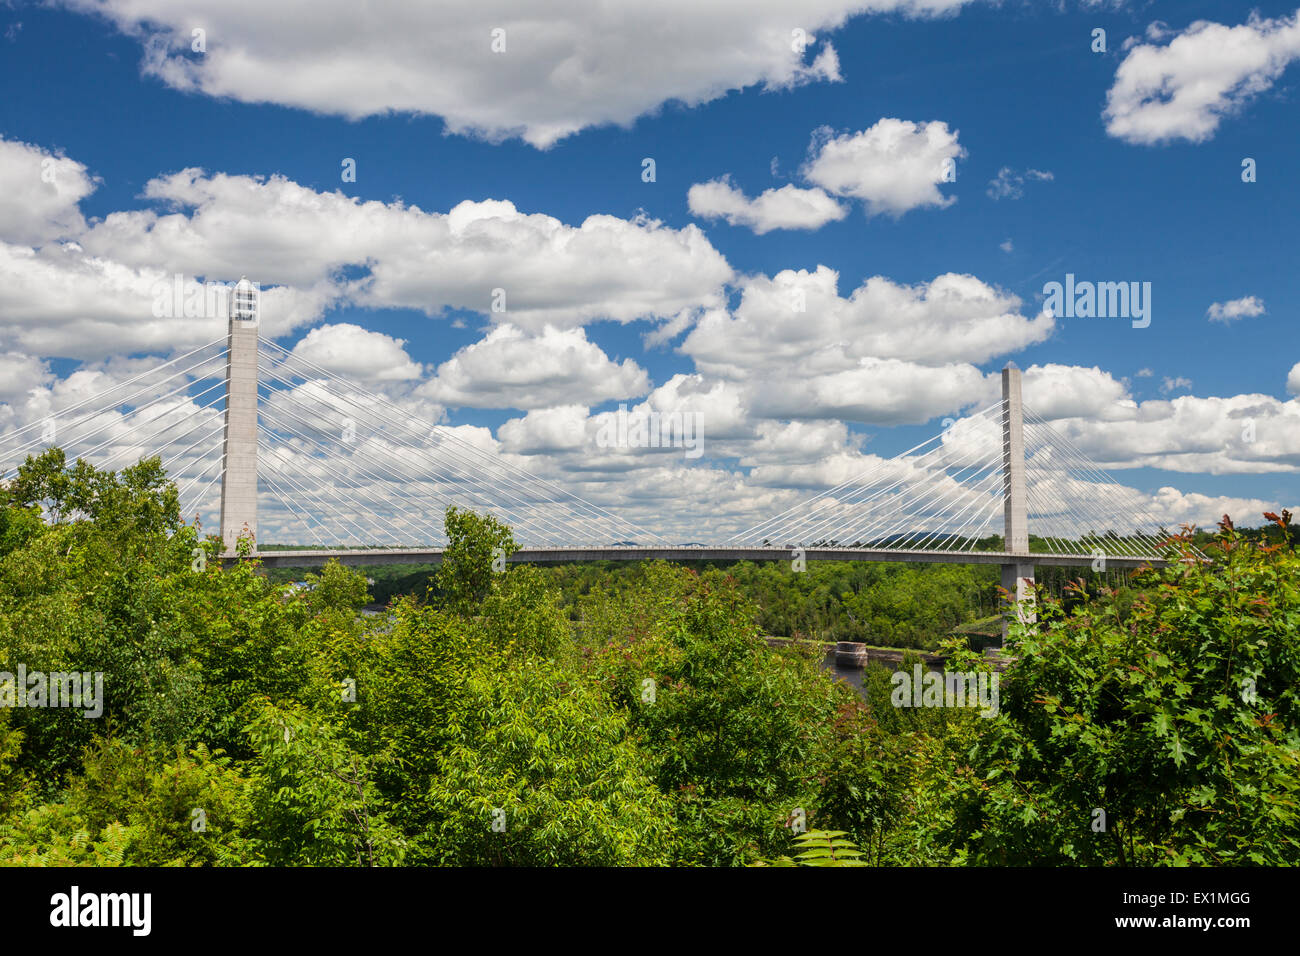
(902, 605)
(245, 724)
(885, 604)
(891, 605)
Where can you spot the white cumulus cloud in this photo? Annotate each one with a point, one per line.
(510, 368)
(546, 75)
(359, 353)
(788, 207)
(551, 273)
(894, 166)
(796, 320)
(41, 193)
(1227, 312)
(1184, 88)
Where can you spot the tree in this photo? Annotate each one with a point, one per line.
(1164, 735)
(542, 774)
(314, 797)
(744, 738)
(474, 543)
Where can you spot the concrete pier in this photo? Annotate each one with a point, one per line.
(239, 452)
(1018, 575)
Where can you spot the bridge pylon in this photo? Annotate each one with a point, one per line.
(1018, 574)
(239, 451)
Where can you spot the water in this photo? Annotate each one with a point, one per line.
(851, 675)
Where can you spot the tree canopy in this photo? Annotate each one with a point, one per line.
(501, 718)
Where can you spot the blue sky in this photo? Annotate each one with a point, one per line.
(1016, 85)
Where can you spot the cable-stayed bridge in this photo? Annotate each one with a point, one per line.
(257, 436)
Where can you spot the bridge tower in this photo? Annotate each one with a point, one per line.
(239, 452)
(1018, 574)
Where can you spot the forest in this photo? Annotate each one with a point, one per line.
(578, 717)
(890, 605)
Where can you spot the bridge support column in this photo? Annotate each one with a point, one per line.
(239, 452)
(1018, 579)
(1018, 575)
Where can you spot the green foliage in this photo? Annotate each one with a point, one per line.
(410, 704)
(337, 589)
(542, 774)
(129, 807)
(474, 541)
(314, 797)
(13, 780)
(742, 736)
(887, 605)
(521, 613)
(139, 502)
(820, 848)
(614, 717)
(1178, 717)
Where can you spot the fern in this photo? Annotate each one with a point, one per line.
(820, 848)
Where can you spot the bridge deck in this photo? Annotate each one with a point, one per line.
(311, 559)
